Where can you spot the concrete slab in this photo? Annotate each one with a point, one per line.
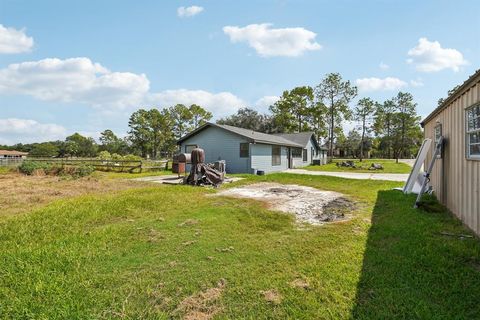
(174, 179)
(353, 175)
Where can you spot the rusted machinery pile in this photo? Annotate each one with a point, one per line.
(201, 173)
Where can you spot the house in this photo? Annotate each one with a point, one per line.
(246, 151)
(12, 154)
(456, 175)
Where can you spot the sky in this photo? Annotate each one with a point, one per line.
(85, 66)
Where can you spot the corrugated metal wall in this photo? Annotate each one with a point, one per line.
(456, 179)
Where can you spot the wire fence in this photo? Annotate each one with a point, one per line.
(98, 164)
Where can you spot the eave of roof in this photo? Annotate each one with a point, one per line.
(13, 153)
(253, 136)
(473, 79)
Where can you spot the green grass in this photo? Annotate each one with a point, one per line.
(128, 256)
(128, 175)
(389, 166)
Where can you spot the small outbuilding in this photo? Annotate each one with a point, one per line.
(247, 151)
(456, 175)
(12, 154)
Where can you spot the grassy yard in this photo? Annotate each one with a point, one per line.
(389, 166)
(163, 252)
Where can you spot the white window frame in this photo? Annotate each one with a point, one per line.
(469, 131)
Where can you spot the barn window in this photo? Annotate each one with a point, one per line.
(437, 134)
(305, 155)
(244, 147)
(189, 148)
(276, 156)
(297, 152)
(473, 132)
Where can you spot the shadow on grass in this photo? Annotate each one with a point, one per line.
(413, 271)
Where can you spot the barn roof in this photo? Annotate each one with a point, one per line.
(474, 78)
(254, 136)
(13, 153)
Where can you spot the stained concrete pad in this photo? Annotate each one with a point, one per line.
(309, 205)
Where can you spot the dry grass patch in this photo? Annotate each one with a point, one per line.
(272, 296)
(202, 305)
(22, 193)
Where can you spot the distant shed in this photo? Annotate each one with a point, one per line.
(12, 154)
(456, 175)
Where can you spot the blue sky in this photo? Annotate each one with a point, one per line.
(85, 66)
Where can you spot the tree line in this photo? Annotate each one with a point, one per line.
(388, 129)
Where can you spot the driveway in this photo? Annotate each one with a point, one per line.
(353, 175)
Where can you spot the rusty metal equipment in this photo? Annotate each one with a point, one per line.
(180, 161)
(202, 173)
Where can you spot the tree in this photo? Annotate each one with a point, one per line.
(140, 134)
(249, 119)
(292, 112)
(363, 113)
(383, 125)
(405, 124)
(45, 149)
(352, 143)
(80, 146)
(150, 130)
(335, 94)
(199, 115)
(111, 143)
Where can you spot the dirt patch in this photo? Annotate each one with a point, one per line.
(309, 205)
(300, 284)
(23, 193)
(202, 305)
(272, 296)
(188, 222)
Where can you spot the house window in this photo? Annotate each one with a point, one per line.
(473, 132)
(244, 150)
(297, 152)
(305, 155)
(276, 156)
(190, 147)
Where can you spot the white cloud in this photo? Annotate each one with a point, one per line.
(377, 84)
(220, 104)
(417, 83)
(74, 80)
(189, 11)
(14, 41)
(266, 101)
(429, 56)
(384, 66)
(15, 130)
(269, 42)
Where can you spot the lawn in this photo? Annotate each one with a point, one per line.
(162, 252)
(389, 166)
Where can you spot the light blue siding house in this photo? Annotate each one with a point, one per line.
(247, 151)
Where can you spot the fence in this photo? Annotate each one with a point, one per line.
(10, 162)
(98, 164)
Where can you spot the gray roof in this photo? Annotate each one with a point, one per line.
(254, 136)
(300, 138)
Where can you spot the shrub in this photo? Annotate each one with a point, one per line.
(83, 170)
(104, 155)
(30, 167)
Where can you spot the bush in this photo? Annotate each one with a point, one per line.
(30, 167)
